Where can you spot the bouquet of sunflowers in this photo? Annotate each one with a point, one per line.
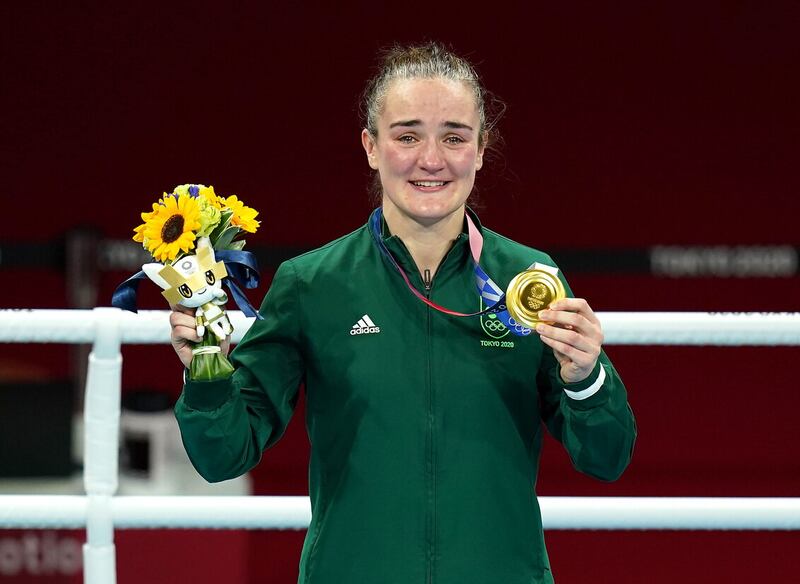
(192, 234)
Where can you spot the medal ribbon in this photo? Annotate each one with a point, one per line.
(490, 292)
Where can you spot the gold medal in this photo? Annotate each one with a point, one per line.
(531, 291)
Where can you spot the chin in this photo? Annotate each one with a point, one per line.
(433, 206)
(433, 213)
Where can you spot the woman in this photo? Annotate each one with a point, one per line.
(425, 428)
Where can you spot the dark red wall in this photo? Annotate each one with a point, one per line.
(628, 125)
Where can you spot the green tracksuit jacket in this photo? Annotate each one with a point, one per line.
(425, 429)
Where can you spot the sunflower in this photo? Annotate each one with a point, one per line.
(170, 227)
(138, 232)
(244, 217)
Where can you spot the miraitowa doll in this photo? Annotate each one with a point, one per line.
(192, 235)
(195, 281)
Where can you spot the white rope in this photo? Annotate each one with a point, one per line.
(619, 328)
(608, 513)
(701, 328)
(146, 327)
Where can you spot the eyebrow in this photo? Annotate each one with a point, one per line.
(413, 123)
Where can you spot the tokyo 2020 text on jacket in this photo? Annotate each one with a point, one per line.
(425, 429)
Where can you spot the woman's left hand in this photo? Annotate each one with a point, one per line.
(575, 336)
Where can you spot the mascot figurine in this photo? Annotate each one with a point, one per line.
(195, 281)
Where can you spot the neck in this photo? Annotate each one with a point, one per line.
(427, 243)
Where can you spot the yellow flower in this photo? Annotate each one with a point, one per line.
(139, 231)
(199, 192)
(170, 227)
(243, 216)
(209, 195)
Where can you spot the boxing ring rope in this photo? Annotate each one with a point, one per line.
(101, 512)
(620, 328)
(606, 513)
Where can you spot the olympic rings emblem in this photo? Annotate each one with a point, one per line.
(492, 325)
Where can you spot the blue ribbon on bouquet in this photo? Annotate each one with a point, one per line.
(242, 271)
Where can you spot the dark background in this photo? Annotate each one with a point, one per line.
(629, 125)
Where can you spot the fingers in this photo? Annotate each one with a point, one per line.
(569, 338)
(574, 356)
(570, 320)
(572, 330)
(574, 314)
(184, 326)
(579, 361)
(575, 305)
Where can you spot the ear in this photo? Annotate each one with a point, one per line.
(203, 242)
(481, 150)
(205, 253)
(152, 270)
(368, 142)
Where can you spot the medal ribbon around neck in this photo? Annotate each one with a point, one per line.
(491, 293)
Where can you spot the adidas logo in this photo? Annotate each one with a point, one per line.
(364, 326)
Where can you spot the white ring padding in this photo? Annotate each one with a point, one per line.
(701, 328)
(619, 328)
(147, 327)
(607, 513)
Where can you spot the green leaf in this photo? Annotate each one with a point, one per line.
(237, 245)
(224, 222)
(226, 238)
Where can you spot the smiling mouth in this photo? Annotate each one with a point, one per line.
(429, 183)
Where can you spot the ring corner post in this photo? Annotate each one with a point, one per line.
(101, 439)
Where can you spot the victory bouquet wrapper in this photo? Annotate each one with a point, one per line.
(192, 235)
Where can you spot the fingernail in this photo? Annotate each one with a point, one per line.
(539, 328)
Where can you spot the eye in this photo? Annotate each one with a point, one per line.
(406, 139)
(454, 140)
(185, 291)
(210, 278)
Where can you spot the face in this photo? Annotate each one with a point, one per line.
(426, 151)
(193, 281)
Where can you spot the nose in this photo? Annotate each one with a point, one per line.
(430, 157)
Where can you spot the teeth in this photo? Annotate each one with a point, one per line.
(428, 183)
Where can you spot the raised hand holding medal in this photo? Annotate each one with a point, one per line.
(571, 329)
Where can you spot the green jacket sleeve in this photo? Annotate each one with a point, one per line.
(226, 424)
(599, 431)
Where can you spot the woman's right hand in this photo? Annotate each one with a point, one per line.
(184, 335)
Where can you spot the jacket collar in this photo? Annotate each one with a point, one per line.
(454, 260)
(474, 216)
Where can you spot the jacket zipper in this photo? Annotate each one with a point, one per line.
(428, 282)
